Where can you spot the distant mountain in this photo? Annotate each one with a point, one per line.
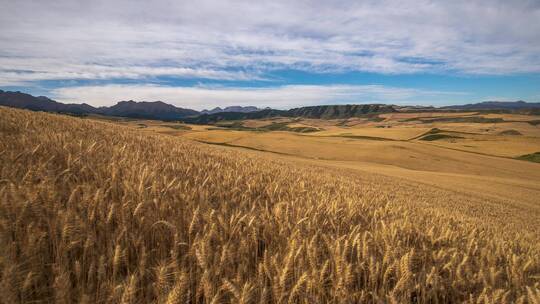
(147, 110)
(340, 111)
(413, 109)
(213, 118)
(238, 109)
(142, 110)
(324, 112)
(496, 105)
(163, 111)
(41, 103)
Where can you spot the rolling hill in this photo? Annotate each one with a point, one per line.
(324, 112)
(496, 105)
(159, 110)
(162, 111)
(340, 111)
(42, 103)
(239, 109)
(146, 110)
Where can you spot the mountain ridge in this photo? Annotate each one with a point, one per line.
(147, 110)
(240, 109)
(41, 103)
(160, 110)
(496, 105)
(321, 112)
(132, 109)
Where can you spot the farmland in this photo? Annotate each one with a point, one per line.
(94, 210)
(473, 158)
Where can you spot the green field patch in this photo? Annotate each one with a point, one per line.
(533, 157)
(177, 127)
(275, 126)
(510, 132)
(432, 137)
(349, 135)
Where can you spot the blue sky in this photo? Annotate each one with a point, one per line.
(278, 54)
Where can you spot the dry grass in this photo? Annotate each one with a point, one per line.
(97, 213)
(396, 133)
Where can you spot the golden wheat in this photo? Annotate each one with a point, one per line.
(92, 212)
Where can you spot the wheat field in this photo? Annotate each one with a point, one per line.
(93, 212)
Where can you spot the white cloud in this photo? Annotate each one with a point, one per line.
(100, 72)
(276, 97)
(241, 40)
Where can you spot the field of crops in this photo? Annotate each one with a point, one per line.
(95, 212)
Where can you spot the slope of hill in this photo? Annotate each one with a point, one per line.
(41, 103)
(147, 110)
(238, 109)
(496, 105)
(94, 212)
(213, 118)
(162, 111)
(340, 111)
(324, 112)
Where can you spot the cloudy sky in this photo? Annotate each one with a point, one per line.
(205, 53)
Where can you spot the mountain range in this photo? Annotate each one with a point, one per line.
(496, 105)
(147, 110)
(324, 112)
(162, 111)
(238, 109)
(41, 103)
(142, 110)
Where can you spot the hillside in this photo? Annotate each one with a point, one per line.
(324, 112)
(496, 105)
(96, 212)
(162, 111)
(224, 116)
(41, 103)
(239, 109)
(340, 111)
(148, 110)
